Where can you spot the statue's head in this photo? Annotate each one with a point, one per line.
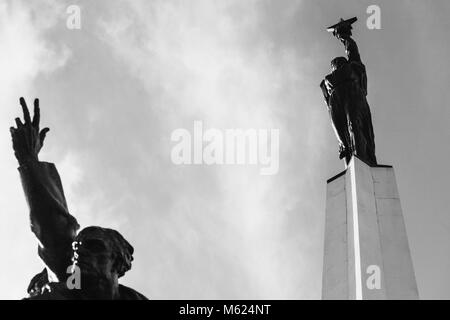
(102, 254)
(338, 62)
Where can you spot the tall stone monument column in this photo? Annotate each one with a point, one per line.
(366, 252)
(366, 248)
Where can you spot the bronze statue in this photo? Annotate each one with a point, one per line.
(345, 91)
(101, 255)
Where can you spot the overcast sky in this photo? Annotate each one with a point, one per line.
(113, 92)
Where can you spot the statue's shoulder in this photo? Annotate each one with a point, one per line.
(55, 291)
(126, 293)
(358, 66)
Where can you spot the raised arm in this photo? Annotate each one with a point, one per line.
(353, 56)
(351, 48)
(50, 219)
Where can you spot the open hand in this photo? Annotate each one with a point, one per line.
(27, 139)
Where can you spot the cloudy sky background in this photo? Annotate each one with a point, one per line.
(113, 92)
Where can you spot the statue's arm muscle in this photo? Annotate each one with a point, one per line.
(351, 48)
(50, 219)
(354, 57)
(324, 88)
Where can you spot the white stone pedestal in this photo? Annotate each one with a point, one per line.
(366, 248)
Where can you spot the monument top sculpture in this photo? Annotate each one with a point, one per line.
(343, 25)
(366, 250)
(100, 255)
(345, 91)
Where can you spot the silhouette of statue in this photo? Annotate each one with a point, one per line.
(100, 255)
(345, 91)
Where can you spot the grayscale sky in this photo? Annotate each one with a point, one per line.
(113, 92)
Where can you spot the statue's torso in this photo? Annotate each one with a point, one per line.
(349, 75)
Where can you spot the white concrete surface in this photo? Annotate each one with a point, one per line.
(364, 233)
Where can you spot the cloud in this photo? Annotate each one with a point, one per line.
(114, 91)
(144, 69)
(222, 232)
(24, 54)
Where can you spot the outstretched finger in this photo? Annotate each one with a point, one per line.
(18, 122)
(26, 113)
(42, 135)
(37, 114)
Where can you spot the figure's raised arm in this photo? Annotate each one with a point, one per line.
(351, 48)
(50, 219)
